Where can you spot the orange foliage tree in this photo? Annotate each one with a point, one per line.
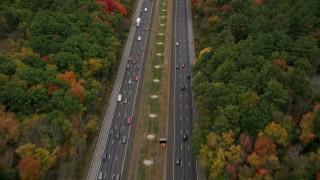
(75, 87)
(29, 168)
(9, 126)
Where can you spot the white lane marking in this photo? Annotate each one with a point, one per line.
(186, 106)
(186, 95)
(130, 92)
(181, 131)
(116, 127)
(187, 119)
(112, 175)
(187, 131)
(119, 114)
(181, 146)
(112, 141)
(180, 106)
(180, 95)
(124, 92)
(117, 158)
(109, 157)
(180, 118)
(188, 147)
(122, 128)
(189, 163)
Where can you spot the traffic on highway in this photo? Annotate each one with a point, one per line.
(180, 164)
(115, 156)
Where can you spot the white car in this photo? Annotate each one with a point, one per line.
(139, 38)
(177, 44)
(119, 97)
(145, 9)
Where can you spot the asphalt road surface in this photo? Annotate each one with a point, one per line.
(180, 164)
(117, 153)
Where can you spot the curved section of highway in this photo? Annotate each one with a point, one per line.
(112, 154)
(180, 164)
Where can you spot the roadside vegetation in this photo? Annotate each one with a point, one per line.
(259, 117)
(56, 59)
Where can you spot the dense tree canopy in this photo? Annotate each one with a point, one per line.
(252, 78)
(56, 56)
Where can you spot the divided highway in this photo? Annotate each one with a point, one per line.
(113, 150)
(180, 164)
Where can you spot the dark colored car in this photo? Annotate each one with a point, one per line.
(104, 156)
(183, 87)
(128, 66)
(185, 137)
(188, 76)
(111, 131)
(177, 67)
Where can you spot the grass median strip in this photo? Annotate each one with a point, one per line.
(150, 147)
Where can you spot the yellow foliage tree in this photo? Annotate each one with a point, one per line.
(205, 50)
(306, 125)
(277, 133)
(213, 20)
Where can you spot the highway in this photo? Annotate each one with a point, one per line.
(180, 116)
(118, 153)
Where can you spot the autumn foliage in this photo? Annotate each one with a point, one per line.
(76, 87)
(113, 6)
(29, 168)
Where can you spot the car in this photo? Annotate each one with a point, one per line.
(117, 135)
(177, 67)
(118, 177)
(185, 137)
(148, 16)
(127, 66)
(124, 139)
(130, 81)
(145, 9)
(139, 38)
(142, 2)
(183, 65)
(188, 76)
(139, 66)
(183, 87)
(141, 49)
(134, 62)
(111, 131)
(146, 29)
(178, 161)
(130, 58)
(101, 175)
(129, 121)
(119, 97)
(104, 156)
(125, 100)
(137, 78)
(177, 43)
(141, 11)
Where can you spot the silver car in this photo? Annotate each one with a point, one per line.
(124, 139)
(130, 81)
(125, 100)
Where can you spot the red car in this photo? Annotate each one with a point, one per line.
(183, 65)
(130, 58)
(137, 78)
(146, 29)
(129, 121)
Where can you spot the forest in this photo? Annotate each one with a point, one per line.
(258, 106)
(57, 58)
